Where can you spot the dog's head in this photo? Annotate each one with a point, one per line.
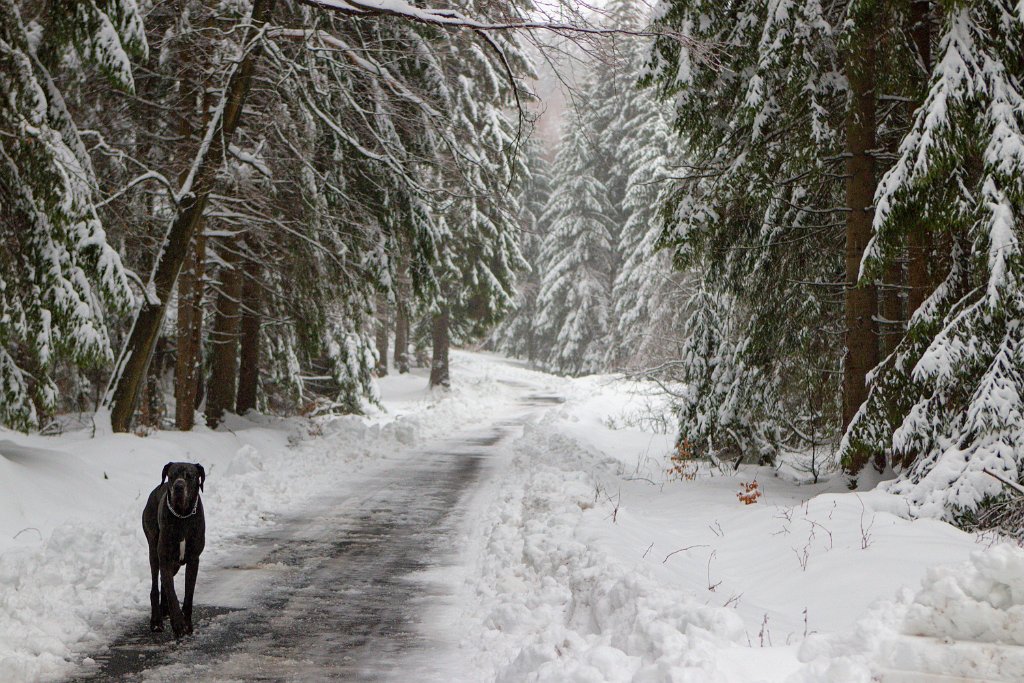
(185, 481)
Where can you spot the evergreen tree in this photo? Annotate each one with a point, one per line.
(647, 318)
(783, 136)
(585, 248)
(517, 336)
(721, 407)
(480, 252)
(57, 272)
(758, 206)
(577, 257)
(947, 403)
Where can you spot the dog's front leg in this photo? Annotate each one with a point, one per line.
(191, 571)
(168, 568)
(156, 619)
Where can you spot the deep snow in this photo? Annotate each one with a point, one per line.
(582, 559)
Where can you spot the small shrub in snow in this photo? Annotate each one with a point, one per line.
(684, 465)
(749, 493)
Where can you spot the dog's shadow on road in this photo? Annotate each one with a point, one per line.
(138, 648)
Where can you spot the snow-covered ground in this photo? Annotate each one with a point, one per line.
(582, 559)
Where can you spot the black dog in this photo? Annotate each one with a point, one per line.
(175, 527)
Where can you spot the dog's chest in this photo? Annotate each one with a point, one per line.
(181, 551)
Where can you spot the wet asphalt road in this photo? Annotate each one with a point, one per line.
(335, 594)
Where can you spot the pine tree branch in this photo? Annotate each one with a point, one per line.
(449, 18)
(1017, 488)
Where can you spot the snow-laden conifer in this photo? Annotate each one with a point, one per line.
(947, 403)
(58, 272)
(757, 204)
(577, 257)
(648, 294)
(722, 403)
(517, 336)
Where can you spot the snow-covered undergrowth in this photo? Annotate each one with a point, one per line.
(593, 565)
(73, 562)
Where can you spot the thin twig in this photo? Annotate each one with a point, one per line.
(689, 547)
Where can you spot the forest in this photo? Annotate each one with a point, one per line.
(800, 219)
(608, 341)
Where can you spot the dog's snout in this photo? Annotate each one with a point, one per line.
(179, 484)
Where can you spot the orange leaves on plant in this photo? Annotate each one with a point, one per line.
(684, 465)
(749, 493)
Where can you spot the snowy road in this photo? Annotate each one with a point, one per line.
(338, 593)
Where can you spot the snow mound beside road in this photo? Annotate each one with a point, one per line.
(556, 608)
(981, 600)
(965, 620)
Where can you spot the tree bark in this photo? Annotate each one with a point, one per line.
(439, 365)
(130, 370)
(402, 320)
(401, 337)
(383, 325)
(152, 399)
(188, 373)
(188, 370)
(220, 390)
(861, 133)
(249, 351)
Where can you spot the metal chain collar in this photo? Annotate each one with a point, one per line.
(195, 507)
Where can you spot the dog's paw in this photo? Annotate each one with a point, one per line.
(178, 628)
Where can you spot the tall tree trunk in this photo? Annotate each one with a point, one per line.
(188, 369)
(439, 365)
(220, 390)
(383, 325)
(152, 396)
(861, 302)
(188, 373)
(919, 239)
(402, 319)
(130, 370)
(249, 344)
(401, 337)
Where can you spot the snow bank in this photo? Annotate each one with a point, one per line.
(965, 620)
(554, 608)
(982, 600)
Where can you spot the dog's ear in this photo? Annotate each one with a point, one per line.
(202, 475)
(167, 470)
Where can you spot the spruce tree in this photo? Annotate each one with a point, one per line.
(517, 336)
(58, 274)
(758, 207)
(480, 254)
(785, 137)
(577, 257)
(647, 314)
(947, 403)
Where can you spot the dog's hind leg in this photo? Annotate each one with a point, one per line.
(156, 602)
(191, 571)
